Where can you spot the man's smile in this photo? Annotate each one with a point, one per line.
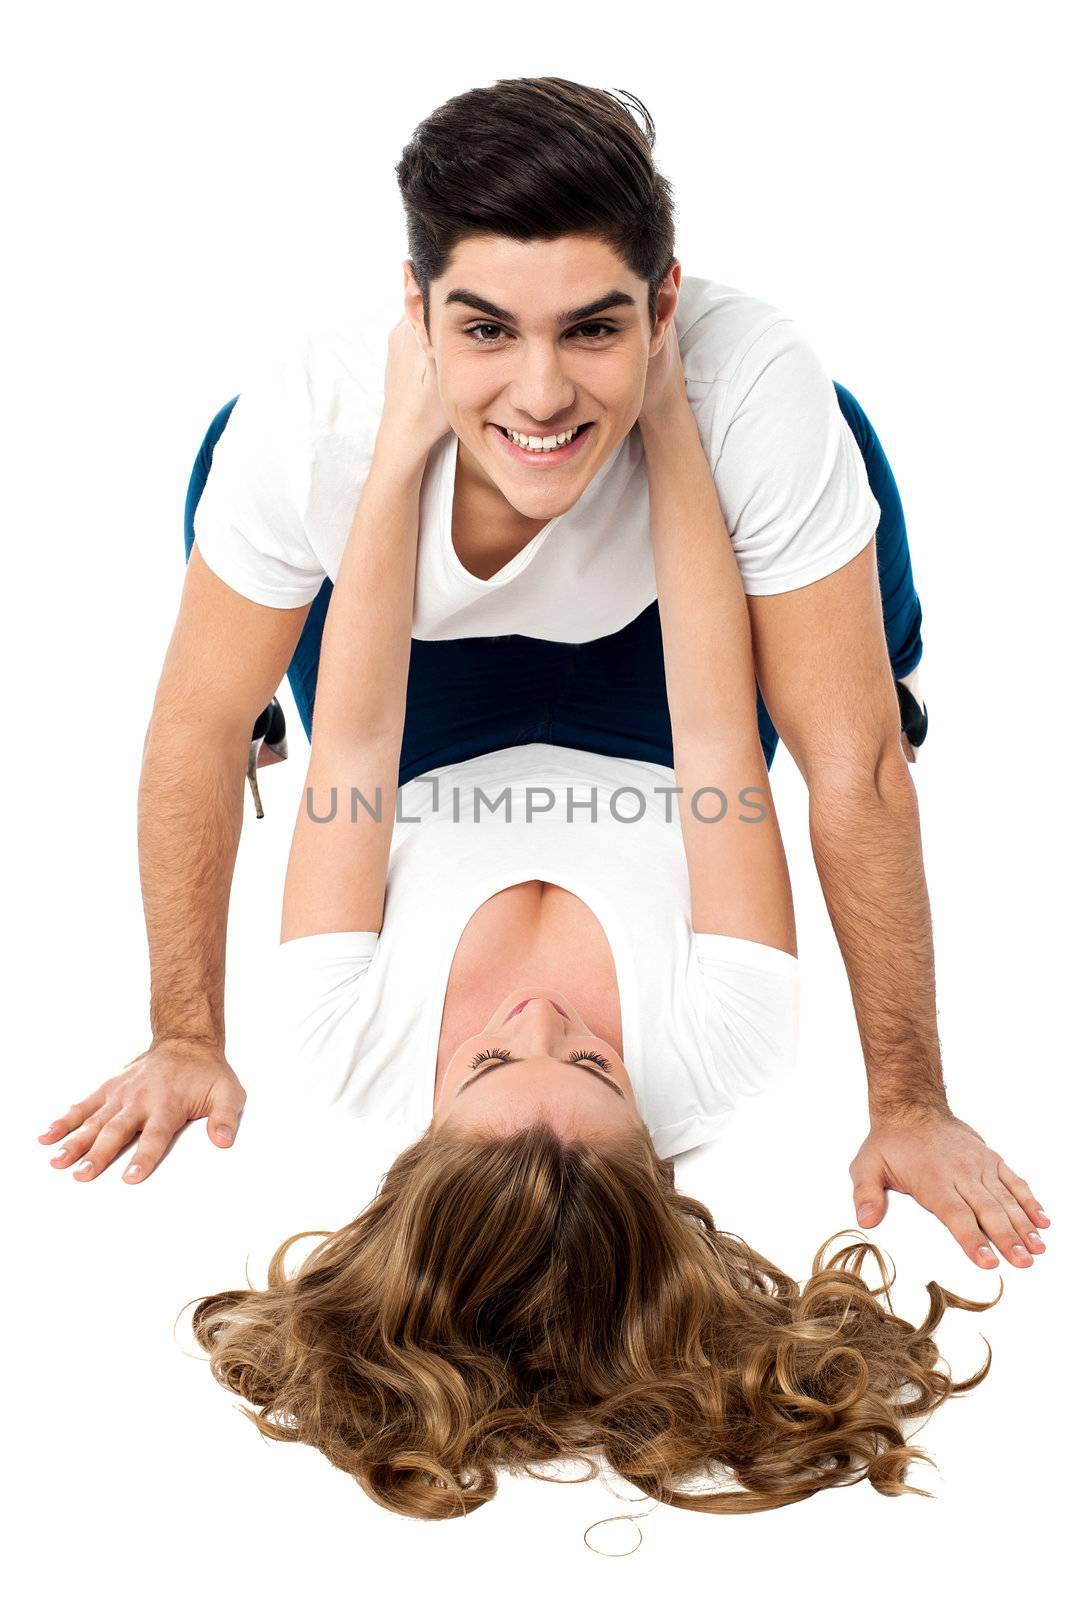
(542, 450)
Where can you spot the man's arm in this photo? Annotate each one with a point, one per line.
(225, 659)
(823, 666)
(822, 662)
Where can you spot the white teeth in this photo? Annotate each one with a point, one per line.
(553, 441)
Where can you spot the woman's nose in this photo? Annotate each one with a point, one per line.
(537, 1027)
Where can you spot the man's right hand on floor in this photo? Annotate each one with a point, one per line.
(226, 656)
(174, 1082)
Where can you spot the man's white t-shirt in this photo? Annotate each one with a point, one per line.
(290, 465)
(706, 1018)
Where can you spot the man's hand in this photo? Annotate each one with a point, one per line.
(173, 1082)
(947, 1168)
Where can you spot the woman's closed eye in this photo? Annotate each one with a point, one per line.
(489, 1055)
(593, 1056)
(483, 1056)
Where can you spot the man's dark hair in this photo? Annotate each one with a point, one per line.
(536, 158)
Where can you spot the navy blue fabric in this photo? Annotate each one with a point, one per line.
(468, 696)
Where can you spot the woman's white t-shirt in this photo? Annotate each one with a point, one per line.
(706, 1018)
(290, 465)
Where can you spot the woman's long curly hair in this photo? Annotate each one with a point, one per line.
(508, 1300)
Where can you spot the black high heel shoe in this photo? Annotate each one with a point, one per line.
(914, 716)
(269, 730)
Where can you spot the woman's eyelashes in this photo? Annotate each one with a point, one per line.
(483, 1056)
(489, 1055)
(593, 1056)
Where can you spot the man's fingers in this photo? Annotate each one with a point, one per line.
(76, 1143)
(73, 1119)
(223, 1121)
(976, 1221)
(112, 1136)
(152, 1146)
(1015, 1211)
(992, 1217)
(1024, 1195)
(954, 1211)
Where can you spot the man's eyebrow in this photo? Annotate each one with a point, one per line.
(583, 1066)
(477, 302)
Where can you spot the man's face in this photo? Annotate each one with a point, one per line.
(525, 342)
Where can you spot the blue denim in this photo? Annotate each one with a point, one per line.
(468, 696)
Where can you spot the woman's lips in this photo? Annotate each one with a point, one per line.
(524, 1003)
(541, 459)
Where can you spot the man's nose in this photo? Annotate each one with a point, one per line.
(542, 392)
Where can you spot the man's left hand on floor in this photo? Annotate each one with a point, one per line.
(948, 1168)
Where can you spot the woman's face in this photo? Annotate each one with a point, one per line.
(535, 1056)
(519, 344)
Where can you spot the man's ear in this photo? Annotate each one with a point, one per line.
(665, 307)
(414, 307)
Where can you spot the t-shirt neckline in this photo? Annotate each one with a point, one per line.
(483, 891)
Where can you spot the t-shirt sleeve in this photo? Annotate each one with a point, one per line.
(249, 522)
(789, 473)
(320, 981)
(751, 1011)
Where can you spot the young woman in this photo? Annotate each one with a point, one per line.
(589, 957)
(680, 955)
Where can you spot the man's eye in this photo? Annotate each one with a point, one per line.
(489, 1055)
(477, 328)
(605, 327)
(594, 332)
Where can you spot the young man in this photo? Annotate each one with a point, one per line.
(541, 282)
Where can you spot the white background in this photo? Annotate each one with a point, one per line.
(185, 188)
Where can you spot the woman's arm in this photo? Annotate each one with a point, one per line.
(738, 871)
(337, 867)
